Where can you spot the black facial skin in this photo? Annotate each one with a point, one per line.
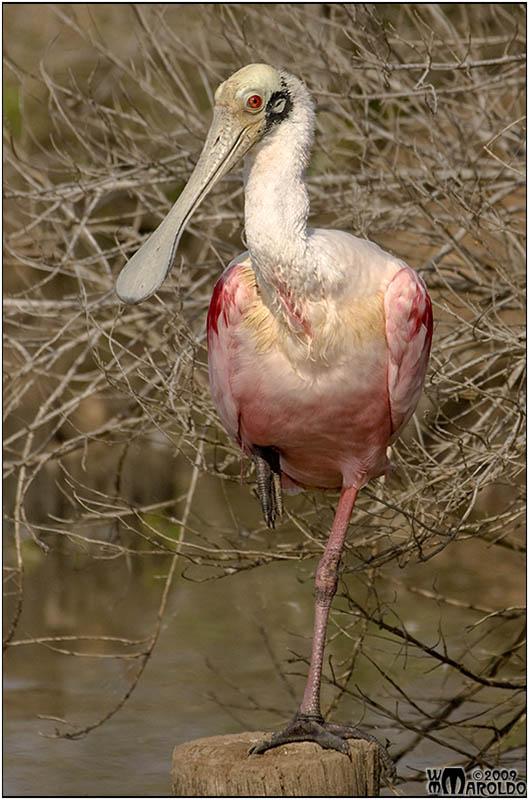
(273, 118)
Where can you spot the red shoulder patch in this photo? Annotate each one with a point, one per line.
(421, 314)
(233, 291)
(222, 298)
(215, 304)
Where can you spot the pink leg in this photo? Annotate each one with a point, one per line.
(326, 585)
(308, 724)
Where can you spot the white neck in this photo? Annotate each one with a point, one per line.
(276, 199)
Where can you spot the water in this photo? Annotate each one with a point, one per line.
(211, 633)
(213, 670)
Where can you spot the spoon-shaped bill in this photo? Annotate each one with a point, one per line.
(226, 143)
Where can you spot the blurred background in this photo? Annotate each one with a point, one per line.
(145, 602)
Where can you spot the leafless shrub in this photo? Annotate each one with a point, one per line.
(420, 147)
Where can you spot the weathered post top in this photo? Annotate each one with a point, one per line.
(220, 766)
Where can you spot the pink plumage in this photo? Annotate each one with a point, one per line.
(318, 340)
(331, 426)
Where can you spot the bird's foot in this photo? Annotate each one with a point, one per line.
(329, 735)
(268, 473)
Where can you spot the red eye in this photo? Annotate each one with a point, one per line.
(254, 101)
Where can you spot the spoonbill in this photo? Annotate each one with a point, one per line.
(318, 341)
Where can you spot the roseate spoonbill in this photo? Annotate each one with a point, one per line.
(318, 341)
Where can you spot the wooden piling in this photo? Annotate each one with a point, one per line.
(220, 766)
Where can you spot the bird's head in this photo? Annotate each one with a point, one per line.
(248, 106)
(252, 101)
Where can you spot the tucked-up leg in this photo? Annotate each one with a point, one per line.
(308, 723)
(268, 473)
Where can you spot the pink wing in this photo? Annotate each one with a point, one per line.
(409, 325)
(233, 293)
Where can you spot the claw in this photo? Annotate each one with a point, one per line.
(329, 735)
